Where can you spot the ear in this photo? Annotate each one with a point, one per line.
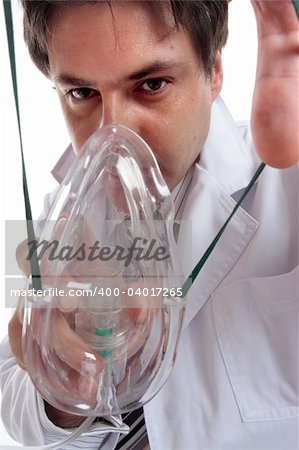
(217, 75)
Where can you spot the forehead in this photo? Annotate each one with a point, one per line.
(98, 35)
(122, 19)
(159, 10)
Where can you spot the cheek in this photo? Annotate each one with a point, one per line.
(184, 133)
(80, 126)
(197, 122)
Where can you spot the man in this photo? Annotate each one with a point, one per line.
(156, 68)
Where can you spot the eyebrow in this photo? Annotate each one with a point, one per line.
(73, 81)
(154, 68)
(151, 69)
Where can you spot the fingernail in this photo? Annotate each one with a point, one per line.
(87, 388)
(89, 368)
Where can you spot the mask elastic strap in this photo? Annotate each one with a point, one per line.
(34, 265)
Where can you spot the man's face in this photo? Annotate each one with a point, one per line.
(135, 69)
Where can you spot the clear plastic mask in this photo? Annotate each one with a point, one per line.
(102, 338)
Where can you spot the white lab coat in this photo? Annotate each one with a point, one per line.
(235, 380)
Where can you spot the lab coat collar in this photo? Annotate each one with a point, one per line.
(64, 163)
(206, 209)
(226, 166)
(226, 155)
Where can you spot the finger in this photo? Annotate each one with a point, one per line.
(61, 359)
(64, 386)
(68, 345)
(275, 112)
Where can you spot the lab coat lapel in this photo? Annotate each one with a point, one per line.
(209, 204)
(208, 207)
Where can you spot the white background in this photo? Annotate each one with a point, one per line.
(45, 135)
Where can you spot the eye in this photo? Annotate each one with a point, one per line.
(153, 85)
(82, 93)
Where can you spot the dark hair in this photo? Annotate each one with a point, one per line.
(205, 20)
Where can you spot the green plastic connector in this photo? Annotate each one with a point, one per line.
(103, 332)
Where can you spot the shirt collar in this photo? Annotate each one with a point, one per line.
(63, 165)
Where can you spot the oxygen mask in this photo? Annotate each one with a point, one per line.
(101, 337)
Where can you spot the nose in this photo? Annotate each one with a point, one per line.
(117, 109)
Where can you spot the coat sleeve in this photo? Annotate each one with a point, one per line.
(19, 407)
(24, 417)
(22, 408)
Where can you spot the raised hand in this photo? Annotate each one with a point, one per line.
(275, 109)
